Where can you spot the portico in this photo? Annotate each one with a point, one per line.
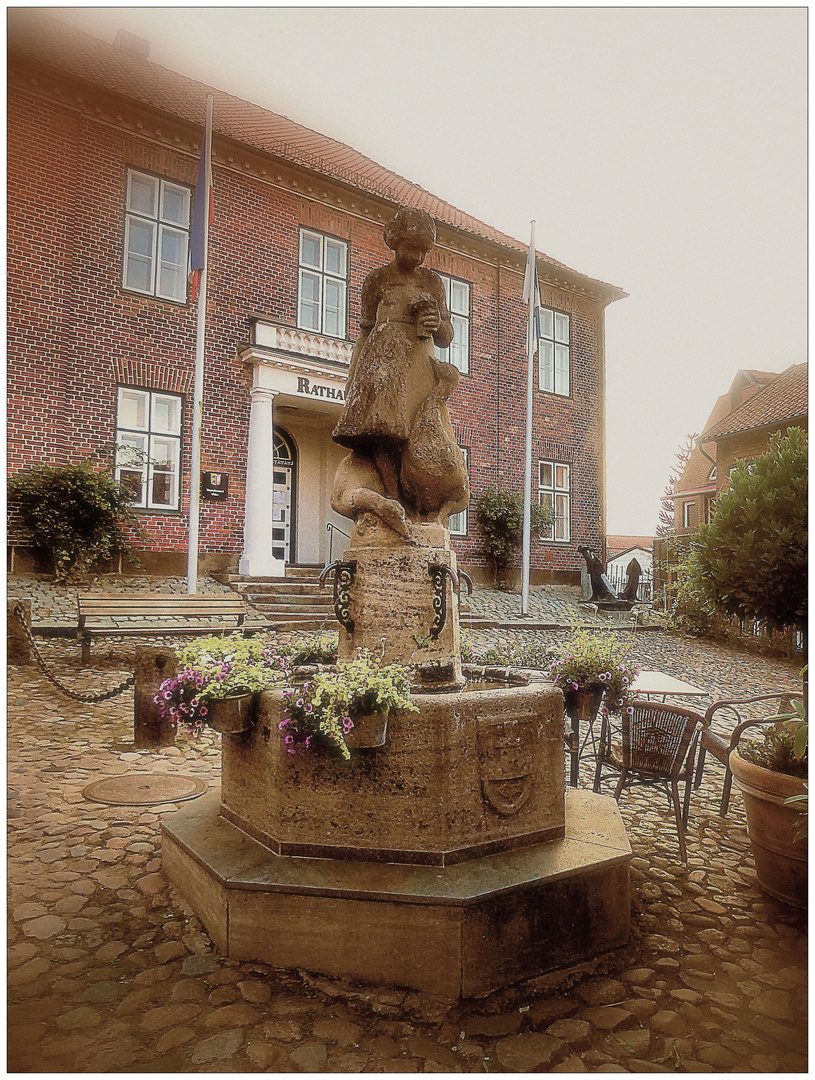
(298, 389)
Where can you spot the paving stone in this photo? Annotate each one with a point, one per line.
(528, 1052)
(169, 950)
(608, 1017)
(238, 1015)
(254, 991)
(603, 992)
(309, 1056)
(717, 1056)
(217, 1047)
(773, 1003)
(577, 1033)
(169, 1016)
(83, 1017)
(44, 928)
(572, 1064)
(427, 1049)
(635, 1041)
(199, 965)
(342, 1032)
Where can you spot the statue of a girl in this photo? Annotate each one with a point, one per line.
(405, 466)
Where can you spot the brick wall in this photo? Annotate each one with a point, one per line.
(74, 332)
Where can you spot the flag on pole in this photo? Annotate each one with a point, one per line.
(198, 232)
(530, 276)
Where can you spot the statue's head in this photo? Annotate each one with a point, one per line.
(411, 225)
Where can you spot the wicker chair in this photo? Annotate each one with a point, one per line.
(720, 746)
(658, 748)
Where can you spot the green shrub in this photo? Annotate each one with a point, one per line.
(78, 514)
(753, 554)
(501, 517)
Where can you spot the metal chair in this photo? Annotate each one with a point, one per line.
(720, 746)
(658, 748)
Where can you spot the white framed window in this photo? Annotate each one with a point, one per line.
(157, 237)
(712, 475)
(457, 295)
(688, 515)
(555, 491)
(459, 523)
(322, 284)
(148, 447)
(553, 352)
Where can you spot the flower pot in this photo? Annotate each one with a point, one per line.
(370, 729)
(583, 704)
(781, 861)
(230, 715)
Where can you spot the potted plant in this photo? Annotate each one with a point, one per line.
(348, 707)
(217, 681)
(590, 669)
(770, 773)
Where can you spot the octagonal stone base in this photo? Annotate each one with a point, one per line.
(454, 931)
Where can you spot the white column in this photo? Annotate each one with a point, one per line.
(257, 559)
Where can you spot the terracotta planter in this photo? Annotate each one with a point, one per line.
(230, 715)
(369, 730)
(781, 862)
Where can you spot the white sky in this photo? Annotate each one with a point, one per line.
(663, 150)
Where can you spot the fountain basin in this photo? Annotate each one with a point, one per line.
(473, 772)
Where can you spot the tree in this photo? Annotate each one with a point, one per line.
(753, 554)
(79, 515)
(501, 517)
(666, 509)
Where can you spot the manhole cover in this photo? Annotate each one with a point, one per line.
(143, 789)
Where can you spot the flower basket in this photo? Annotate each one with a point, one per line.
(230, 715)
(583, 704)
(370, 729)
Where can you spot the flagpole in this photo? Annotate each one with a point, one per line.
(198, 387)
(528, 459)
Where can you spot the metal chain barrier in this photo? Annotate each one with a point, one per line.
(87, 699)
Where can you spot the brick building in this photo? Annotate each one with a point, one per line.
(757, 405)
(103, 150)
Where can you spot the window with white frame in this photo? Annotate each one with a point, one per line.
(322, 284)
(457, 353)
(157, 236)
(553, 352)
(688, 515)
(459, 523)
(148, 447)
(555, 491)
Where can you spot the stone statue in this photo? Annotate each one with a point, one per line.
(405, 470)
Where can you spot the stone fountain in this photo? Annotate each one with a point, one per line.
(449, 860)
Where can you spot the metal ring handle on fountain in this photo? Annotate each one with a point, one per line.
(468, 581)
(438, 572)
(344, 573)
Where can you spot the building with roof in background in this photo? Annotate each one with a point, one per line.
(757, 405)
(103, 149)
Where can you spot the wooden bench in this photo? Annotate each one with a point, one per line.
(158, 615)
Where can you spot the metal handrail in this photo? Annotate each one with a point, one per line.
(331, 528)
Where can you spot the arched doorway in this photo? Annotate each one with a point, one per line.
(284, 495)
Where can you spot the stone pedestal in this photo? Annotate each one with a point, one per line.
(405, 599)
(455, 931)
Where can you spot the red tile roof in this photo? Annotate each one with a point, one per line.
(617, 544)
(783, 399)
(36, 35)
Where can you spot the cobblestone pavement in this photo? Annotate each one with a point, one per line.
(111, 972)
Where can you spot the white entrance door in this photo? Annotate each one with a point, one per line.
(282, 497)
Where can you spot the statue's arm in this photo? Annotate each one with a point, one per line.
(443, 335)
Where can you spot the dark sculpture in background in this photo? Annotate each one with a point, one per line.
(601, 587)
(405, 469)
(602, 591)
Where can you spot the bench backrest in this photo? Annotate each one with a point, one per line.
(159, 605)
